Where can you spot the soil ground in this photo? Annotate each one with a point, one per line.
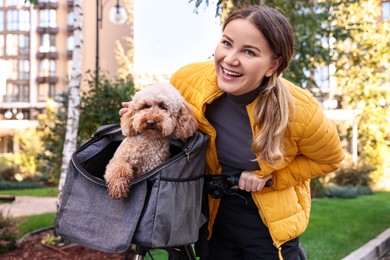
(31, 247)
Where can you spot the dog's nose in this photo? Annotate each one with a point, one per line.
(151, 124)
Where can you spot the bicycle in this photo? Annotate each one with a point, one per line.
(187, 253)
(216, 186)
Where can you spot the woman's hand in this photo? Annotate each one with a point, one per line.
(123, 110)
(251, 183)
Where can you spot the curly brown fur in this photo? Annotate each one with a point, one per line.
(155, 114)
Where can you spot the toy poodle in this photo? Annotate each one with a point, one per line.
(155, 114)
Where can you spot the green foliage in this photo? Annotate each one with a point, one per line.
(344, 192)
(361, 58)
(354, 176)
(52, 129)
(30, 146)
(50, 239)
(317, 188)
(100, 104)
(8, 233)
(7, 167)
(13, 185)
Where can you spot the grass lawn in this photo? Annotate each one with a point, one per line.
(337, 226)
(31, 223)
(40, 192)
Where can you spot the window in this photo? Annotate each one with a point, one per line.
(47, 43)
(47, 68)
(70, 18)
(24, 20)
(12, 44)
(24, 44)
(18, 20)
(1, 45)
(17, 44)
(70, 43)
(48, 18)
(46, 91)
(1, 20)
(6, 144)
(24, 69)
(17, 3)
(20, 69)
(17, 92)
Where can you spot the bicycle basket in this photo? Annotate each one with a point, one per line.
(162, 210)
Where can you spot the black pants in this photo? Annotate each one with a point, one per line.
(240, 234)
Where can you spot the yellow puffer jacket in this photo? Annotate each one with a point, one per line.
(312, 148)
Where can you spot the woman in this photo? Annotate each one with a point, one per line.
(262, 128)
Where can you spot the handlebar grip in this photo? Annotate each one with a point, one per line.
(233, 180)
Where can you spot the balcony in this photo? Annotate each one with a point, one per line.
(49, 30)
(70, 4)
(47, 5)
(47, 79)
(70, 54)
(52, 55)
(70, 29)
(13, 99)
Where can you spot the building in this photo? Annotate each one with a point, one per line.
(36, 44)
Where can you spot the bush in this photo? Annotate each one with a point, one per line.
(354, 175)
(345, 192)
(8, 233)
(317, 188)
(13, 185)
(7, 169)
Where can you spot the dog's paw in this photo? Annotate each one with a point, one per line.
(118, 188)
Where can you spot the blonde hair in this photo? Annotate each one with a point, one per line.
(271, 114)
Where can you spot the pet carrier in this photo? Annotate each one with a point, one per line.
(162, 210)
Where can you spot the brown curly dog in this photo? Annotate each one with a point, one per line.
(155, 113)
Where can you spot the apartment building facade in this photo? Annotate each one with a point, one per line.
(36, 45)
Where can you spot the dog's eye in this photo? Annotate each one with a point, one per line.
(146, 106)
(162, 106)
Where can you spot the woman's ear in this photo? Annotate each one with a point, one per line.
(127, 122)
(274, 66)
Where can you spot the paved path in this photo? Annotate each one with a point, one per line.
(27, 206)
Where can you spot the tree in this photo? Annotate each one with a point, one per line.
(74, 94)
(52, 124)
(101, 103)
(51, 127)
(362, 59)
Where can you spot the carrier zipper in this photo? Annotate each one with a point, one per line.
(187, 152)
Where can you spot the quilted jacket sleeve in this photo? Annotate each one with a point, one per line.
(318, 147)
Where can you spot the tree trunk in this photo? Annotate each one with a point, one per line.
(74, 95)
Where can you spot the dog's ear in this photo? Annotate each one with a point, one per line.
(186, 124)
(127, 121)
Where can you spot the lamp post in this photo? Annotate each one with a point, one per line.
(117, 15)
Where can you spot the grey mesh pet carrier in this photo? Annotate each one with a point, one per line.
(162, 210)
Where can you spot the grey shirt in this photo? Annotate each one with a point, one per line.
(230, 119)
